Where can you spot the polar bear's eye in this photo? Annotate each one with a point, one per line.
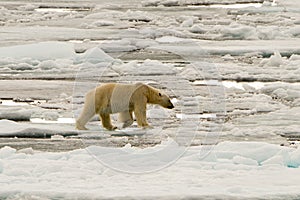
(159, 94)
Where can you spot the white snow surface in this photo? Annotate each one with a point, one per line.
(40, 51)
(14, 129)
(230, 169)
(166, 171)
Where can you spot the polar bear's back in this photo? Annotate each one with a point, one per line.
(115, 97)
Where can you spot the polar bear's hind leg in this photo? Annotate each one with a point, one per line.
(88, 111)
(106, 123)
(126, 118)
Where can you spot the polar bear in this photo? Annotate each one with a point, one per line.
(124, 99)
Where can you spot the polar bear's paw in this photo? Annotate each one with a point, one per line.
(80, 127)
(111, 128)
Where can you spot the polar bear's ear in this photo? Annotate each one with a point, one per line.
(159, 94)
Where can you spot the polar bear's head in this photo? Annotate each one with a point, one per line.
(158, 97)
(164, 101)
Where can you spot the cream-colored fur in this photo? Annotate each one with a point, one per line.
(123, 99)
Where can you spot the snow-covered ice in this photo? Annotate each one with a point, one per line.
(231, 68)
(41, 51)
(263, 170)
(14, 129)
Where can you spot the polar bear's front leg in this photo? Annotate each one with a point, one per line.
(106, 123)
(126, 118)
(140, 115)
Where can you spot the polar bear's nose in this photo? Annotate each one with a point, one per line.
(170, 106)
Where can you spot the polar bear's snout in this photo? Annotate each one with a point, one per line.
(170, 106)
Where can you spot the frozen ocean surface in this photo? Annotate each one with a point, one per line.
(230, 67)
(233, 170)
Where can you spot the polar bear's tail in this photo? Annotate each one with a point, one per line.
(88, 110)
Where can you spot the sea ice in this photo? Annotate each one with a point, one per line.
(17, 113)
(43, 171)
(94, 55)
(238, 32)
(149, 67)
(244, 161)
(100, 23)
(14, 129)
(131, 15)
(187, 23)
(6, 152)
(198, 28)
(40, 51)
(123, 45)
(263, 113)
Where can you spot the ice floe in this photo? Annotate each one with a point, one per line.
(41, 51)
(40, 170)
(13, 129)
(205, 53)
